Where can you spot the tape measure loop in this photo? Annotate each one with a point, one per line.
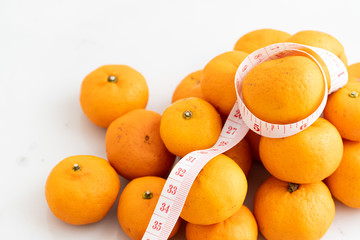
(335, 72)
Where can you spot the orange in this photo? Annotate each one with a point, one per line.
(188, 87)
(354, 72)
(260, 38)
(240, 226)
(321, 40)
(134, 146)
(137, 203)
(217, 193)
(111, 91)
(241, 154)
(190, 124)
(344, 183)
(286, 211)
(343, 110)
(254, 140)
(217, 80)
(308, 156)
(283, 90)
(82, 189)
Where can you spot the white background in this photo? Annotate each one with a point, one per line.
(48, 47)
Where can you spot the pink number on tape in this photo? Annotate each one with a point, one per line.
(240, 120)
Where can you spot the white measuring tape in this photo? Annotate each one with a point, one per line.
(239, 121)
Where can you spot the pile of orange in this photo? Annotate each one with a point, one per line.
(307, 169)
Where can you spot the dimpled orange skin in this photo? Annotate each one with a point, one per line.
(284, 90)
(343, 111)
(240, 226)
(84, 196)
(308, 156)
(103, 101)
(201, 131)
(134, 211)
(260, 38)
(321, 40)
(305, 214)
(134, 146)
(217, 193)
(217, 80)
(354, 72)
(241, 154)
(344, 183)
(188, 87)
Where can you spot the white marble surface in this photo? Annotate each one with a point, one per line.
(47, 47)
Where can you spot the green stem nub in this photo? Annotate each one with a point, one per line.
(112, 79)
(147, 195)
(76, 167)
(187, 114)
(293, 187)
(353, 94)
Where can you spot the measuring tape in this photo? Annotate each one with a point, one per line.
(238, 123)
